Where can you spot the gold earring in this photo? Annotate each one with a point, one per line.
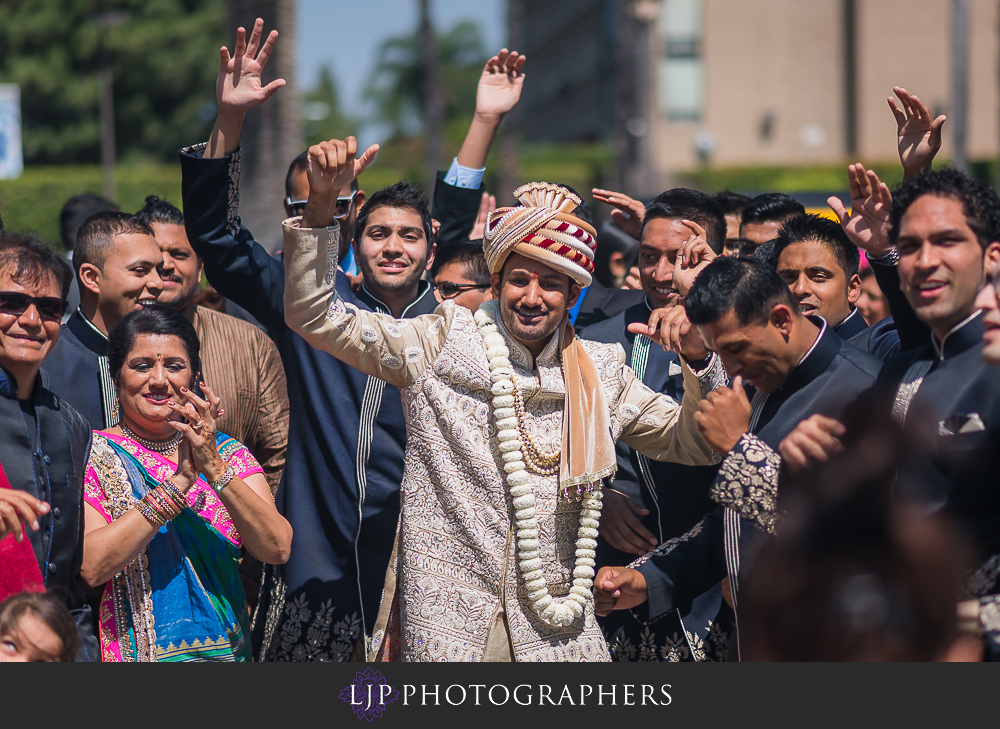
(114, 413)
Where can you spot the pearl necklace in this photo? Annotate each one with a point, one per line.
(163, 447)
(560, 612)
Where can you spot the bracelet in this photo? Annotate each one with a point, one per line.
(228, 475)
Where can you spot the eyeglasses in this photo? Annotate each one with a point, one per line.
(298, 207)
(15, 304)
(451, 290)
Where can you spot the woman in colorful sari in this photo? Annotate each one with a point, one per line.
(168, 503)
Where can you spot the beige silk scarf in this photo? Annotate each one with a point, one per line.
(544, 229)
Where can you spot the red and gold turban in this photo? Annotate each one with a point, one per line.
(542, 228)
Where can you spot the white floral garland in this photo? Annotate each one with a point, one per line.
(555, 612)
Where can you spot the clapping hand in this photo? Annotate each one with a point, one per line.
(239, 88)
(919, 135)
(867, 225)
(500, 85)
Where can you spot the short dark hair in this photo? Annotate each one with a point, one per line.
(299, 163)
(771, 207)
(765, 253)
(98, 232)
(742, 285)
(153, 319)
(731, 203)
(32, 260)
(76, 210)
(47, 608)
(156, 210)
(979, 202)
(401, 195)
(467, 252)
(682, 203)
(822, 230)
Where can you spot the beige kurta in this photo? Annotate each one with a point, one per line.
(456, 566)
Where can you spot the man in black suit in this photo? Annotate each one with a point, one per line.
(654, 501)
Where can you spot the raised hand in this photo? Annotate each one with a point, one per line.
(238, 88)
(620, 525)
(486, 206)
(724, 416)
(500, 85)
(919, 135)
(618, 588)
(331, 167)
(628, 213)
(692, 258)
(815, 439)
(867, 225)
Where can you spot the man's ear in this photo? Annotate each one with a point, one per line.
(574, 293)
(430, 257)
(991, 257)
(782, 319)
(854, 289)
(90, 278)
(495, 285)
(359, 200)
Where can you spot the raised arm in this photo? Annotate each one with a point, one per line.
(239, 89)
(238, 268)
(397, 351)
(458, 192)
(919, 135)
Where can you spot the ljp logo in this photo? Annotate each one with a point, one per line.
(369, 694)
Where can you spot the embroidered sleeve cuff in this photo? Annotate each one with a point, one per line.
(710, 373)
(459, 176)
(747, 482)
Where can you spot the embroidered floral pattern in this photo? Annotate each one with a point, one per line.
(748, 482)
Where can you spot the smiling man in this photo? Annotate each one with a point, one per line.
(45, 442)
(798, 367)
(511, 423)
(116, 260)
(820, 264)
(655, 501)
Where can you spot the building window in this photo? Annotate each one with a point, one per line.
(681, 74)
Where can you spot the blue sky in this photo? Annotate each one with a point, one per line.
(347, 35)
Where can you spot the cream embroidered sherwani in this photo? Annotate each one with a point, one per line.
(456, 567)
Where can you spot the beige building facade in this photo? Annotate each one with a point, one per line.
(797, 82)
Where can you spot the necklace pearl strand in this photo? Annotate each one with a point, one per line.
(560, 612)
(163, 447)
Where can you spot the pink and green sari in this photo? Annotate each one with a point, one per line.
(181, 599)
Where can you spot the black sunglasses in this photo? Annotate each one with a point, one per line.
(49, 307)
(298, 207)
(451, 290)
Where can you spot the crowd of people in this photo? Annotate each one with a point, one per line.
(714, 427)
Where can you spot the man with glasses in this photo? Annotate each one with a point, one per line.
(460, 273)
(44, 443)
(349, 202)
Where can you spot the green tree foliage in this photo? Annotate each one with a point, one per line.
(164, 58)
(321, 112)
(397, 83)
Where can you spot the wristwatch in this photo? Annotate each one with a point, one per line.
(889, 259)
(228, 475)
